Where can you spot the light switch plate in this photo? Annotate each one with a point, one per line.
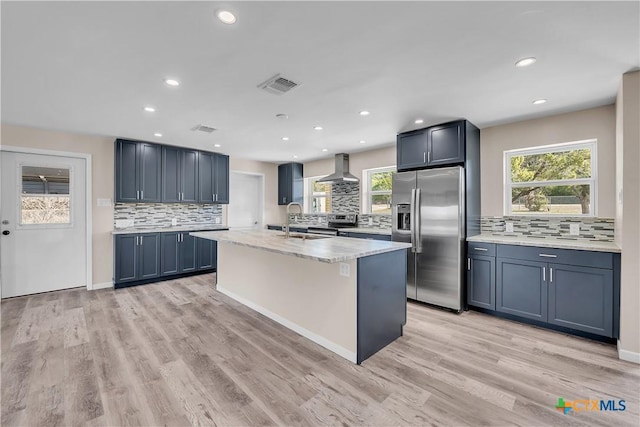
(345, 269)
(216, 220)
(103, 202)
(174, 222)
(370, 221)
(574, 229)
(124, 223)
(508, 227)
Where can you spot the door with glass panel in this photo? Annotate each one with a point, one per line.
(43, 223)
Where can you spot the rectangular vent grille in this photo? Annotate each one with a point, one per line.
(203, 128)
(278, 85)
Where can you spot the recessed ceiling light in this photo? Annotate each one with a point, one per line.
(282, 116)
(158, 134)
(363, 142)
(317, 127)
(418, 121)
(525, 62)
(325, 149)
(172, 82)
(226, 17)
(285, 138)
(539, 101)
(295, 157)
(364, 113)
(216, 145)
(149, 109)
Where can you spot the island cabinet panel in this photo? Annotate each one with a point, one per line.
(138, 171)
(581, 298)
(213, 178)
(522, 289)
(290, 183)
(381, 301)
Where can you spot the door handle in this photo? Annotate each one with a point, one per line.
(548, 256)
(544, 274)
(424, 157)
(469, 264)
(428, 156)
(141, 194)
(141, 237)
(6, 232)
(412, 224)
(137, 240)
(137, 194)
(481, 249)
(551, 274)
(418, 222)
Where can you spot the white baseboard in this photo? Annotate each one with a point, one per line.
(627, 355)
(329, 345)
(104, 285)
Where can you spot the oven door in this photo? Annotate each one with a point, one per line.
(323, 231)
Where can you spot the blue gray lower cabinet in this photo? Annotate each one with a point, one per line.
(150, 257)
(569, 290)
(382, 301)
(368, 236)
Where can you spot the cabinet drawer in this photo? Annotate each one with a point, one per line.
(481, 248)
(558, 256)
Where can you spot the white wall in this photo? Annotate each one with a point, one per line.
(599, 123)
(628, 213)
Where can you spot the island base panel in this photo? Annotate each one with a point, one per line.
(307, 296)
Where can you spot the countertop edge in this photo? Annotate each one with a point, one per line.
(166, 229)
(594, 246)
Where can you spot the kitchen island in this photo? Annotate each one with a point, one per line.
(347, 295)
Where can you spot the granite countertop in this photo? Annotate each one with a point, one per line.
(329, 249)
(369, 230)
(168, 229)
(547, 242)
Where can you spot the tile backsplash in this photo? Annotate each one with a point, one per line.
(345, 197)
(600, 229)
(377, 221)
(160, 214)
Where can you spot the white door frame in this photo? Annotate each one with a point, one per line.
(89, 202)
(262, 191)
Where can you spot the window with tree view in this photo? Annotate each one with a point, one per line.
(379, 190)
(553, 180)
(318, 196)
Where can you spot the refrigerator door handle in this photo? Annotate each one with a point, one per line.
(417, 223)
(412, 223)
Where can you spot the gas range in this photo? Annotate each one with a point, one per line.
(334, 223)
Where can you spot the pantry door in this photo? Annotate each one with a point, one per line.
(43, 240)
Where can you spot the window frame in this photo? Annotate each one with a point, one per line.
(309, 195)
(367, 196)
(552, 148)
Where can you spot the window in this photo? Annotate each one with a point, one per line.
(551, 180)
(377, 191)
(44, 197)
(317, 196)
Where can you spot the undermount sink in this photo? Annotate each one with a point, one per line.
(305, 236)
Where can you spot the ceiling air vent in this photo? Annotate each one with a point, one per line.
(277, 85)
(203, 128)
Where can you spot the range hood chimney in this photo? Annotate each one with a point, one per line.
(341, 173)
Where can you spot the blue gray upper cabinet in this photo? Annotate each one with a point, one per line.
(138, 171)
(290, 183)
(213, 178)
(440, 145)
(180, 175)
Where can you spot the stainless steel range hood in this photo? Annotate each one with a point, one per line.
(341, 173)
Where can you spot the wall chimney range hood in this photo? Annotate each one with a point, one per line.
(341, 173)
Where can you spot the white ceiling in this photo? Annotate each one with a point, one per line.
(90, 67)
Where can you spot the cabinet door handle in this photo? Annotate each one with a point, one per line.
(137, 194)
(550, 274)
(469, 264)
(141, 194)
(548, 256)
(216, 197)
(544, 274)
(424, 157)
(428, 156)
(137, 240)
(481, 249)
(177, 237)
(141, 237)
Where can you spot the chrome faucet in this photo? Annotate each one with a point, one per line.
(286, 231)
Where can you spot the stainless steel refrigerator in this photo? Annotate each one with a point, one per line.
(429, 212)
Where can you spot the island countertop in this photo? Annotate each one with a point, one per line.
(582, 244)
(329, 249)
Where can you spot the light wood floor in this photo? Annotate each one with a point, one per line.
(179, 353)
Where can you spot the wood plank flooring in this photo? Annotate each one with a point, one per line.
(179, 353)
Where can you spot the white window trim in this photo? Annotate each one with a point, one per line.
(367, 193)
(309, 195)
(553, 148)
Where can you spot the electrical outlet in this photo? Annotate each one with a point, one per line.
(370, 221)
(216, 220)
(508, 227)
(124, 223)
(174, 222)
(345, 269)
(103, 202)
(574, 229)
